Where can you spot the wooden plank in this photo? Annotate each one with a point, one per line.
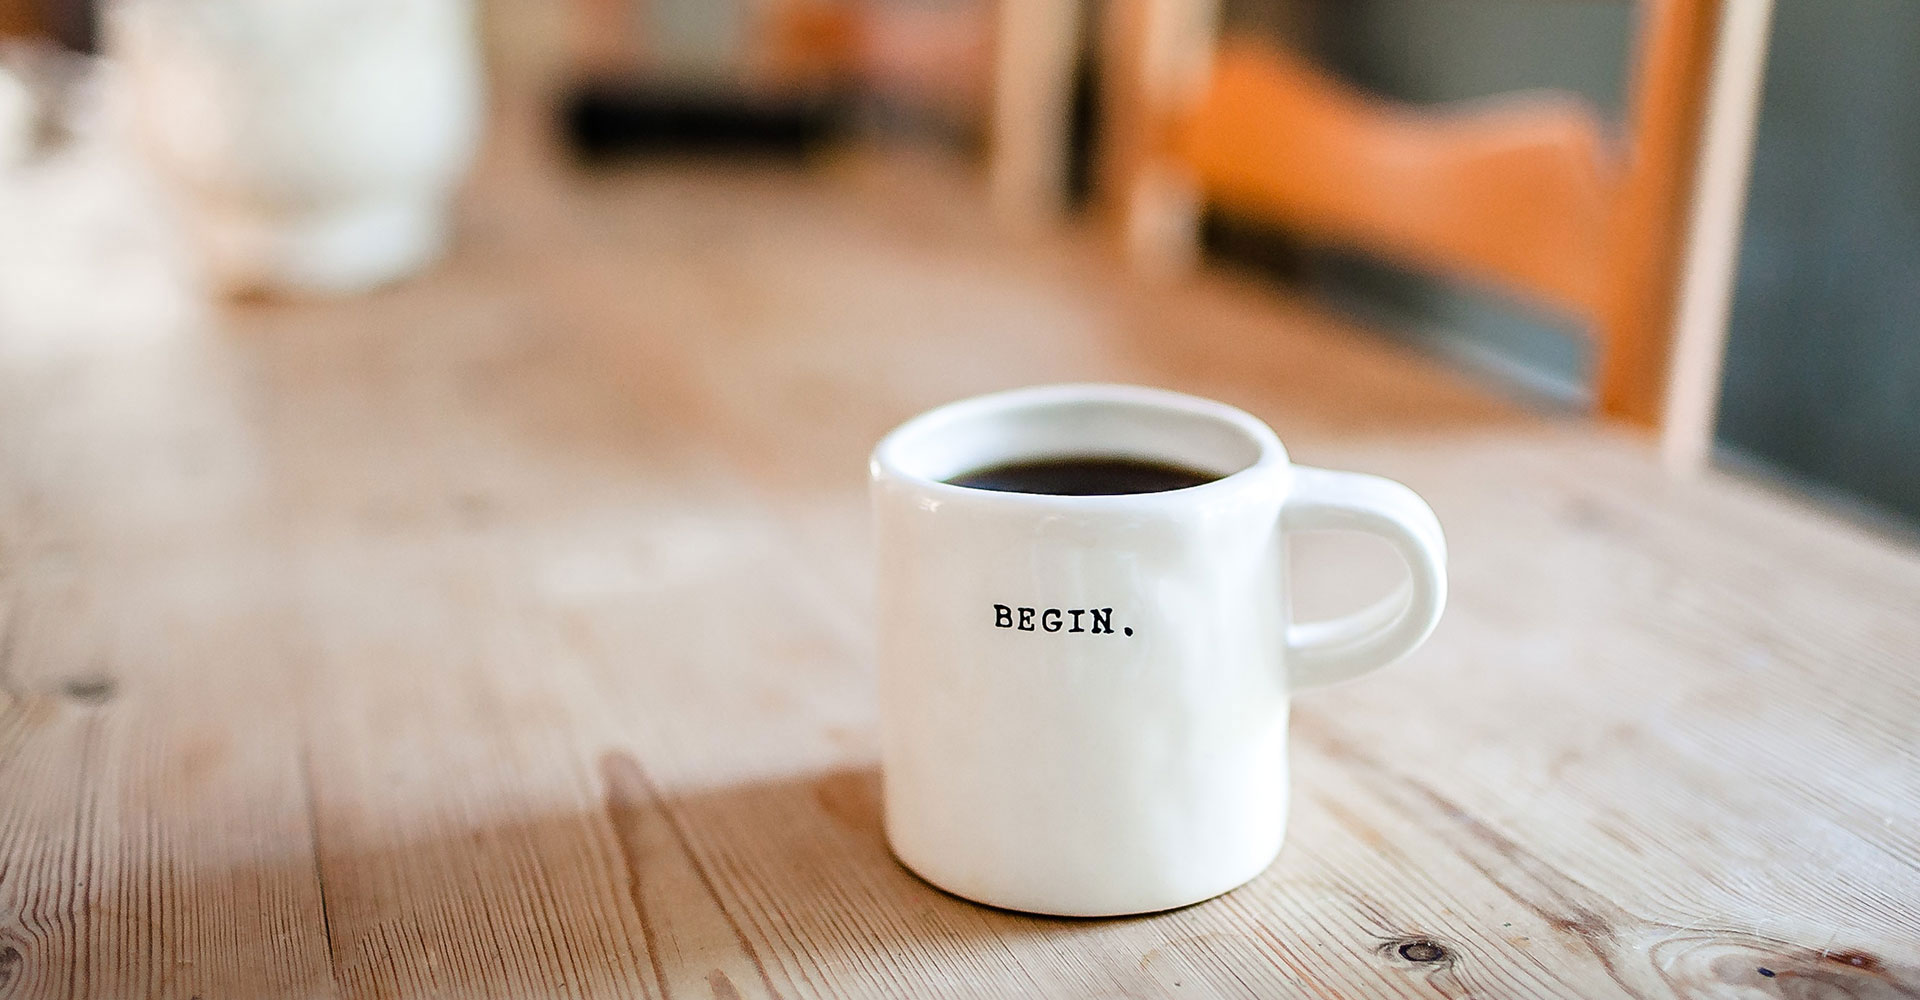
(155, 832)
(156, 838)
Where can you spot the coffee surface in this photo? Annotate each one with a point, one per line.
(1083, 476)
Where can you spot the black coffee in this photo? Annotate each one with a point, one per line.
(1084, 476)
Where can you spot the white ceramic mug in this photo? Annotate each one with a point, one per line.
(1120, 748)
(315, 144)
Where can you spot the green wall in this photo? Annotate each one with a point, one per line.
(1822, 377)
(1823, 362)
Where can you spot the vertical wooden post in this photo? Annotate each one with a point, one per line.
(1156, 56)
(1713, 244)
(1673, 57)
(1036, 48)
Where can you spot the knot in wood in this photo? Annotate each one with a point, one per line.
(1422, 950)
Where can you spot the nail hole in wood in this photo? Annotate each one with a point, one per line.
(1422, 951)
(89, 690)
(1854, 959)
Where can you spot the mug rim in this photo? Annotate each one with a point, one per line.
(1270, 462)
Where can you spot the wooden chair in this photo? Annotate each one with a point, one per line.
(1529, 194)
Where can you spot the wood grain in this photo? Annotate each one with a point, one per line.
(505, 634)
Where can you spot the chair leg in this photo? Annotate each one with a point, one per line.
(1713, 240)
(1161, 227)
(1036, 45)
(1674, 56)
(1155, 59)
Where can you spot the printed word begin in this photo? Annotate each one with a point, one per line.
(1093, 621)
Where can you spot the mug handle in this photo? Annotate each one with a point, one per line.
(1343, 648)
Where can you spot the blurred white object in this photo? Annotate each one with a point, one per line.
(19, 115)
(315, 144)
(89, 258)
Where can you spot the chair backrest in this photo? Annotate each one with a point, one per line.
(1527, 192)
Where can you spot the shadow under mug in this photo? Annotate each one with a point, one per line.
(1084, 698)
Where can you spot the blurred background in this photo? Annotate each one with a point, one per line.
(1592, 241)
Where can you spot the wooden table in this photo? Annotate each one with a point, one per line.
(506, 634)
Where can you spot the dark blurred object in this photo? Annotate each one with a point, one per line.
(1083, 124)
(801, 74)
(72, 23)
(608, 119)
(20, 18)
(788, 102)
